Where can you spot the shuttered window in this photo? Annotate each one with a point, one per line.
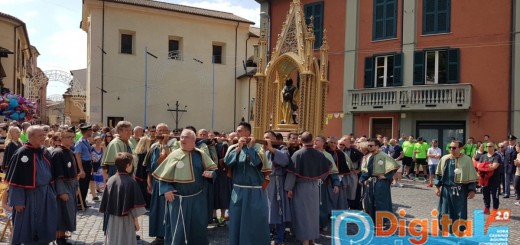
(385, 19)
(383, 71)
(316, 11)
(436, 66)
(436, 16)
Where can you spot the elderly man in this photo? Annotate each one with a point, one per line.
(155, 156)
(32, 195)
(66, 170)
(138, 133)
(455, 183)
(181, 180)
(248, 222)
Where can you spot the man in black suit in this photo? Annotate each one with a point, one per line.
(510, 169)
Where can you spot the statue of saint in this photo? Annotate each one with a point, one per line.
(289, 106)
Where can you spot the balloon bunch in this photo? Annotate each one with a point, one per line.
(16, 107)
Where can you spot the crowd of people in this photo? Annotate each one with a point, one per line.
(260, 188)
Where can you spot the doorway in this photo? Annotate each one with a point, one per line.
(112, 121)
(442, 131)
(382, 126)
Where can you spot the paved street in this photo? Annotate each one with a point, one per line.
(417, 199)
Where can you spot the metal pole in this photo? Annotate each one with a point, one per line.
(213, 95)
(177, 115)
(145, 83)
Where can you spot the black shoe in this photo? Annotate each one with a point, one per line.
(95, 198)
(157, 241)
(62, 241)
(137, 237)
(506, 196)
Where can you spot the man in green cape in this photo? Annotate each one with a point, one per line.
(455, 182)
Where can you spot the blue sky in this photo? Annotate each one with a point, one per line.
(53, 27)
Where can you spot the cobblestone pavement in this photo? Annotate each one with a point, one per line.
(417, 199)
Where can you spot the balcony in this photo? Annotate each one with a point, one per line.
(413, 98)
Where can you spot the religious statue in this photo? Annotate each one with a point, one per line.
(289, 106)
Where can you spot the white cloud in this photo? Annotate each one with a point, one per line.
(15, 2)
(65, 48)
(252, 14)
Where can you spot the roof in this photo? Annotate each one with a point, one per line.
(254, 31)
(184, 9)
(20, 23)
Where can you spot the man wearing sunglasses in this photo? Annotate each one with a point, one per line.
(376, 176)
(455, 183)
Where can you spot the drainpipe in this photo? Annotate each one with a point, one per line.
(511, 68)
(235, 78)
(102, 61)
(16, 60)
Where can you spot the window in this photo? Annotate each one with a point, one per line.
(436, 66)
(174, 50)
(217, 54)
(127, 43)
(385, 21)
(383, 71)
(436, 16)
(316, 11)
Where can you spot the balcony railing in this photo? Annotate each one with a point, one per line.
(424, 97)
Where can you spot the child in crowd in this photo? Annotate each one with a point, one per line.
(123, 203)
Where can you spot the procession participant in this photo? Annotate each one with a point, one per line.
(248, 222)
(212, 153)
(66, 170)
(117, 145)
(12, 143)
(83, 150)
(329, 188)
(294, 145)
(489, 172)
(223, 184)
(156, 155)
(279, 209)
(342, 162)
(376, 174)
(138, 132)
(122, 202)
(32, 195)
(141, 176)
(455, 183)
(351, 178)
(305, 173)
(181, 178)
(356, 156)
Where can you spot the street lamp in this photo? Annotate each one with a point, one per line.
(146, 53)
(213, 91)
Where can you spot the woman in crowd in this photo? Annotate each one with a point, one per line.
(12, 143)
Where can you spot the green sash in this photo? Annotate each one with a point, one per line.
(382, 164)
(467, 174)
(178, 166)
